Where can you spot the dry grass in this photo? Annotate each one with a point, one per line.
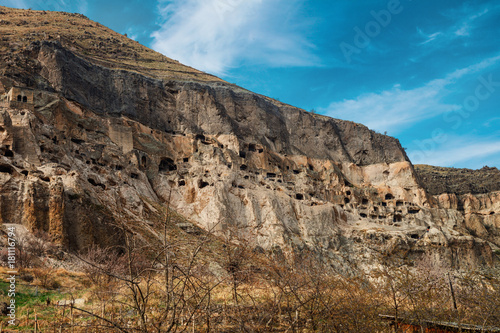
(277, 299)
(90, 40)
(437, 180)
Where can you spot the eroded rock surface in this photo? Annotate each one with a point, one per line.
(108, 144)
(438, 180)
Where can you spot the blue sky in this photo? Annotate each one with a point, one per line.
(426, 72)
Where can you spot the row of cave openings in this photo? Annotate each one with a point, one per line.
(251, 147)
(23, 99)
(168, 164)
(205, 141)
(272, 176)
(244, 167)
(298, 196)
(5, 168)
(395, 218)
(413, 209)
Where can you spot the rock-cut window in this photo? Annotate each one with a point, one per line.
(25, 99)
(19, 98)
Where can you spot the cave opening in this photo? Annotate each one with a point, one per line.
(167, 164)
(202, 184)
(6, 169)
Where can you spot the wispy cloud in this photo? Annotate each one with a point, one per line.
(466, 23)
(465, 27)
(214, 35)
(458, 151)
(428, 38)
(492, 121)
(394, 109)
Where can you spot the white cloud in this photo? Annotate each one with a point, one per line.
(215, 35)
(463, 31)
(463, 28)
(428, 38)
(467, 152)
(492, 121)
(395, 108)
(132, 33)
(466, 25)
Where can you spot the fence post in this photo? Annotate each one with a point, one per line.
(36, 323)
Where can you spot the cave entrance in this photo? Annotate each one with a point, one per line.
(167, 164)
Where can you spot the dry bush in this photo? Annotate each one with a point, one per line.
(310, 295)
(415, 292)
(31, 249)
(431, 291)
(478, 296)
(169, 287)
(100, 266)
(45, 277)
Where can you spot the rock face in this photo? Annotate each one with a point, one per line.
(108, 143)
(438, 180)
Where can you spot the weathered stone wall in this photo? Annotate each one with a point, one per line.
(107, 148)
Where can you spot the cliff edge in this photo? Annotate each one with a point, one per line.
(98, 133)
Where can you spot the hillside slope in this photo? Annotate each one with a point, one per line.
(438, 180)
(115, 130)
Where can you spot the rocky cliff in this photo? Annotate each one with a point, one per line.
(438, 180)
(118, 130)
